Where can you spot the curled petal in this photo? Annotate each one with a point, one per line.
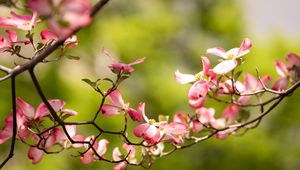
(102, 147)
(130, 149)
(244, 48)
(205, 64)
(225, 66)
(184, 78)
(116, 154)
(35, 155)
(196, 126)
(197, 93)
(217, 51)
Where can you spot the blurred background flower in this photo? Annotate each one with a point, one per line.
(172, 34)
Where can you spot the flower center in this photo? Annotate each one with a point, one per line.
(230, 56)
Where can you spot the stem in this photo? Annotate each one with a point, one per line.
(14, 132)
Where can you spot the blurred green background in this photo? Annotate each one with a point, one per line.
(172, 34)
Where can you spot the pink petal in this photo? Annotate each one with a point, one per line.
(293, 60)
(26, 108)
(129, 148)
(152, 135)
(281, 68)
(218, 123)
(69, 112)
(140, 129)
(135, 115)
(280, 84)
(116, 154)
(206, 114)
(230, 113)
(197, 93)
(43, 111)
(110, 110)
(12, 35)
(250, 82)
(244, 99)
(217, 51)
(115, 98)
(78, 138)
(48, 35)
(184, 78)
(196, 126)
(6, 132)
(35, 155)
(71, 42)
(225, 66)
(138, 61)
(205, 64)
(102, 147)
(244, 48)
(120, 166)
(87, 158)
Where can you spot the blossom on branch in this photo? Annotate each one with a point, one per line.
(68, 16)
(230, 57)
(23, 22)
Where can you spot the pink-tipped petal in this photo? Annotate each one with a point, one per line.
(6, 132)
(184, 78)
(281, 69)
(115, 98)
(217, 51)
(35, 155)
(205, 64)
(244, 48)
(225, 66)
(26, 108)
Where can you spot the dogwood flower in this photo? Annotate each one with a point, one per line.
(252, 85)
(281, 83)
(117, 105)
(50, 36)
(69, 14)
(230, 57)
(149, 131)
(90, 156)
(23, 22)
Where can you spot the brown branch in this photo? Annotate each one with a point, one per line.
(14, 132)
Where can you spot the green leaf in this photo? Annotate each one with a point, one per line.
(72, 57)
(237, 75)
(93, 84)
